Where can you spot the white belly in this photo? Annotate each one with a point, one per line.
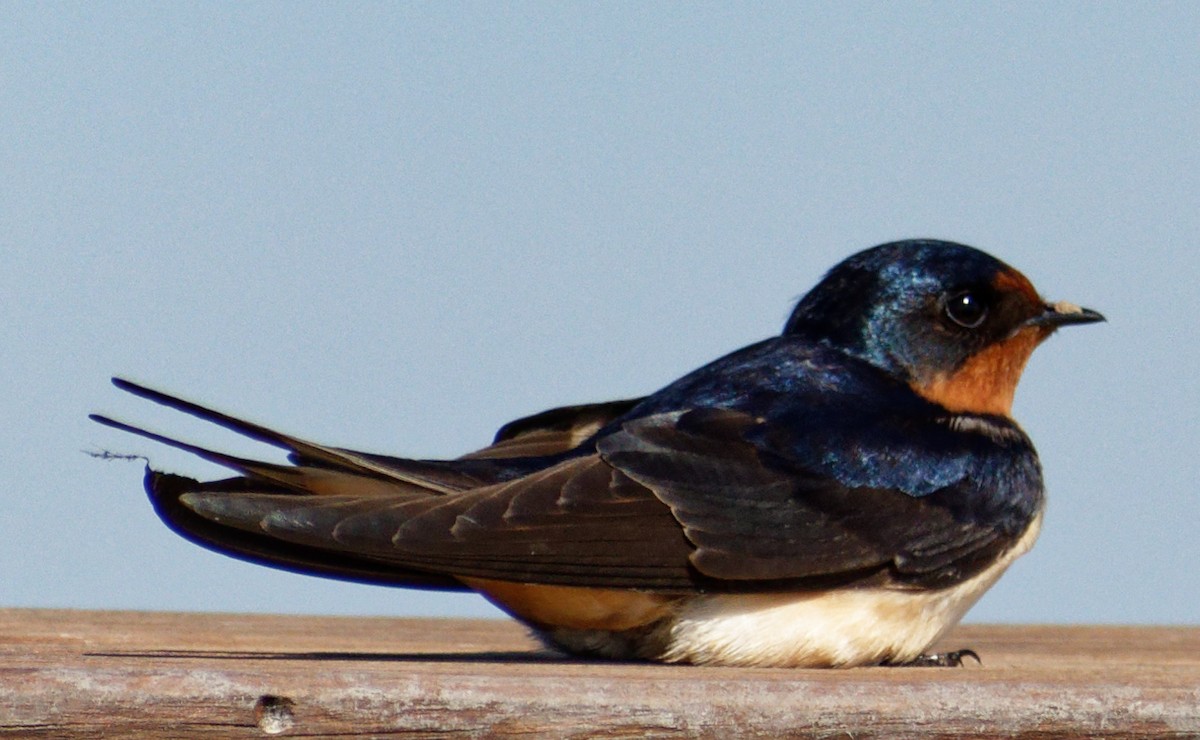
(844, 627)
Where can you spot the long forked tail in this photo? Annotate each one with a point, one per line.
(430, 477)
(566, 519)
(324, 477)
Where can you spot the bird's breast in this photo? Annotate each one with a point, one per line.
(837, 627)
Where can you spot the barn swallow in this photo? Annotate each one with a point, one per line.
(837, 495)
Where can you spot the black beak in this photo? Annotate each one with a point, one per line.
(1063, 314)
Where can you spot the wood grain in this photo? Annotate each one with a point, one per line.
(141, 675)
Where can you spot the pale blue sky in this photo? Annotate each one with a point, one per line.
(395, 227)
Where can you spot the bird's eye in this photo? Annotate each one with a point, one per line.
(967, 308)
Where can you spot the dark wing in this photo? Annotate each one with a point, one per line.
(669, 503)
(329, 513)
(576, 523)
(168, 494)
(755, 517)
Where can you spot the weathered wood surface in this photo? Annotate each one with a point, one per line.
(135, 674)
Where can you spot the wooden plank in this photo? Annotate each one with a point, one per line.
(137, 674)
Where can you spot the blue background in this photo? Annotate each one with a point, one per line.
(395, 227)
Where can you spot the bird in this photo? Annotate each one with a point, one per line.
(837, 495)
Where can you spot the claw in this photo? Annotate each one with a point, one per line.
(952, 659)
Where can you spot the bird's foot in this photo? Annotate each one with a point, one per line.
(952, 659)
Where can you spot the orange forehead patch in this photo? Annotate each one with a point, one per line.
(986, 383)
(1011, 281)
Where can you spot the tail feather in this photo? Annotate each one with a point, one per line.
(236, 516)
(429, 476)
(320, 481)
(425, 523)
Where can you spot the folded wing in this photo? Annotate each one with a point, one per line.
(670, 503)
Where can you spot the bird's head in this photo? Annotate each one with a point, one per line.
(953, 322)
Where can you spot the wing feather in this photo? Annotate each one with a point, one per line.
(672, 502)
(752, 517)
